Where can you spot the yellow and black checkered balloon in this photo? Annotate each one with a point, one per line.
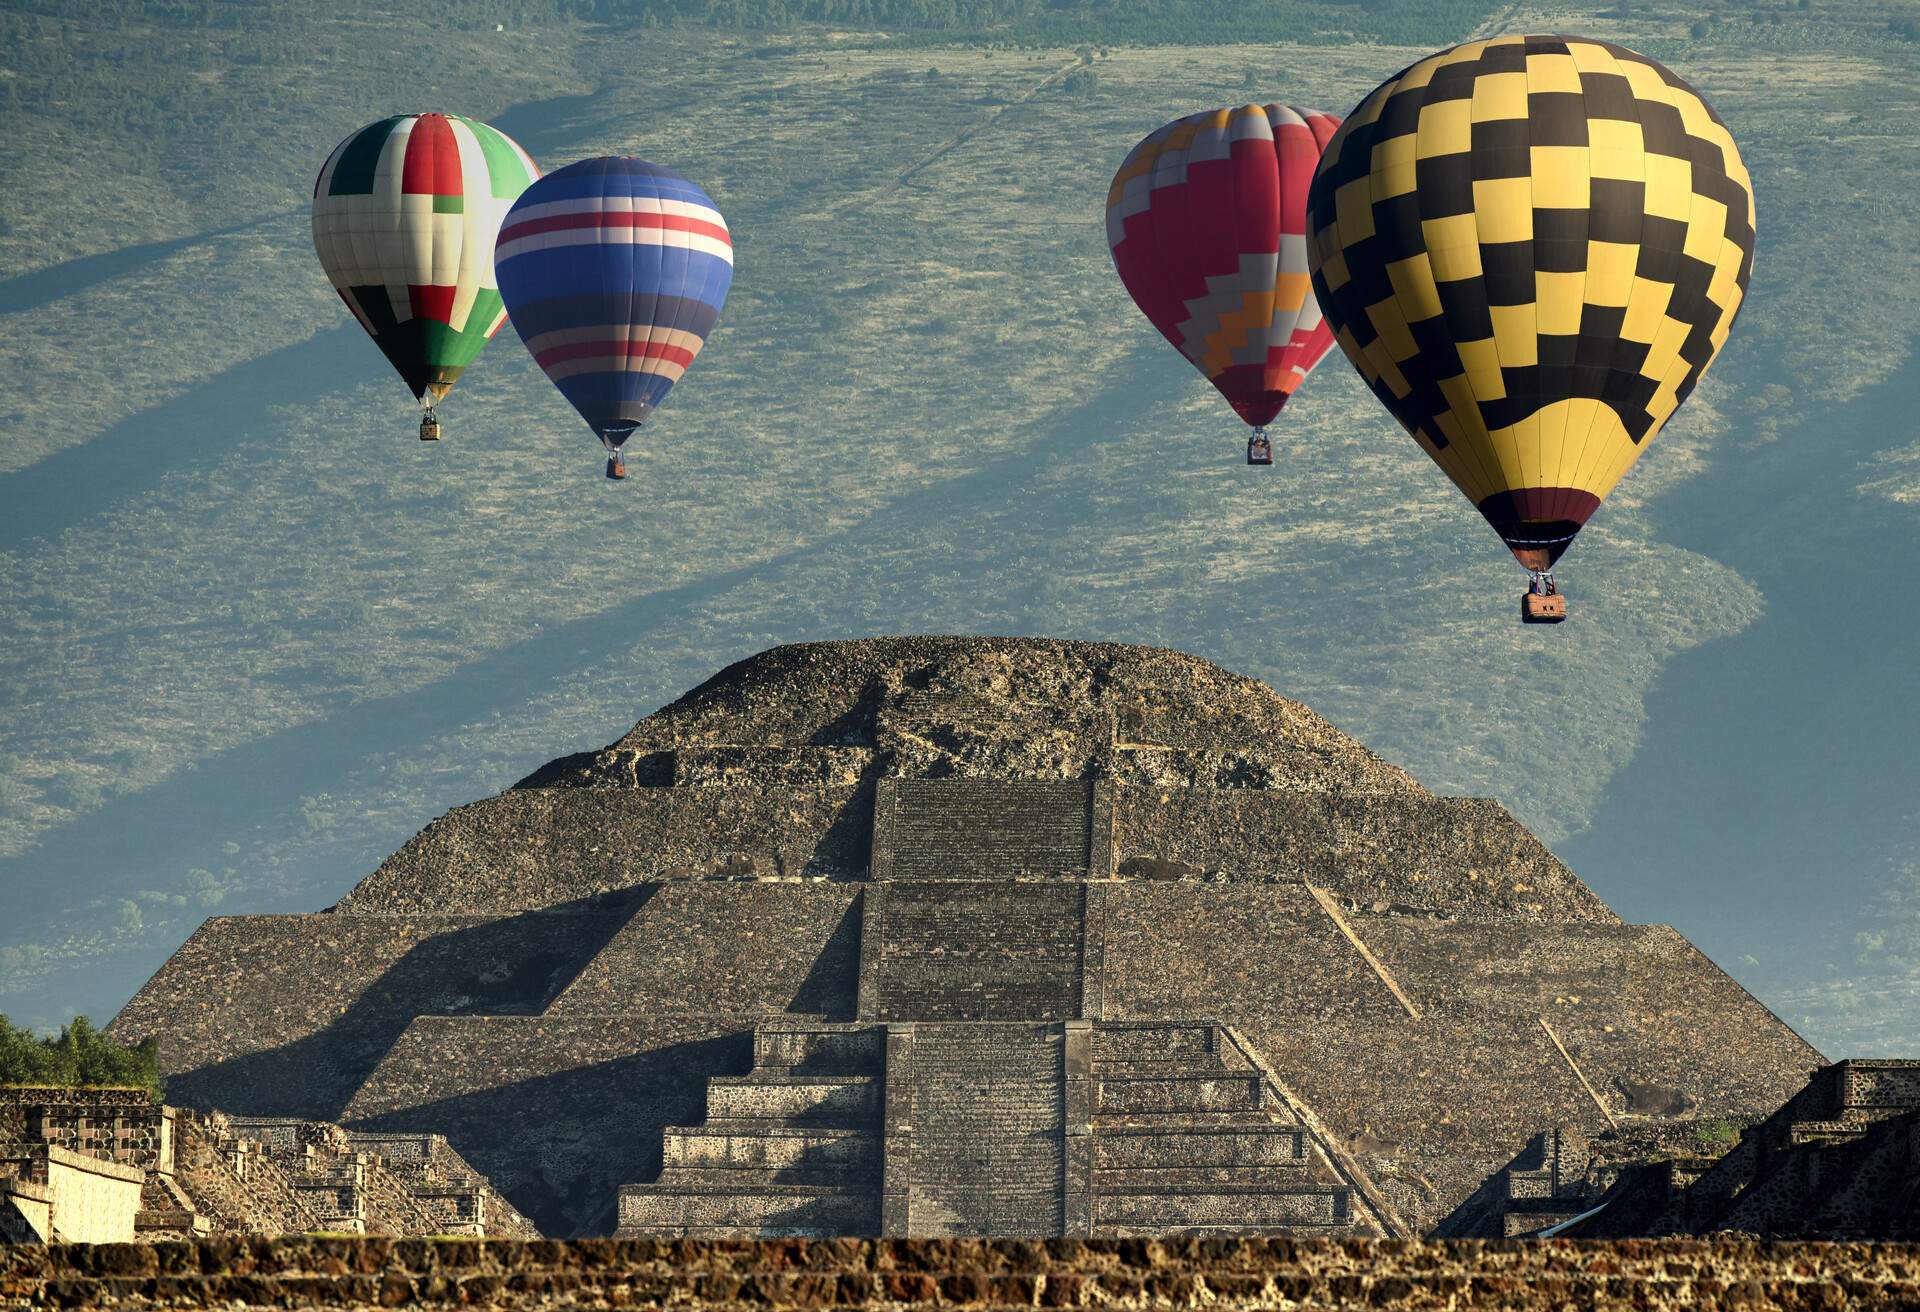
(1532, 247)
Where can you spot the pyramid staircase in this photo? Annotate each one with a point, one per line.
(1189, 1137)
(981, 1093)
(792, 1148)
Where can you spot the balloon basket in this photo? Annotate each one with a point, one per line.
(429, 429)
(616, 468)
(1542, 608)
(1259, 449)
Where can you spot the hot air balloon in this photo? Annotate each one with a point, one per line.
(1532, 248)
(404, 216)
(1206, 221)
(614, 271)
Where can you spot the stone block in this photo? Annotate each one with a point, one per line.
(947, 829)
(820, 1099)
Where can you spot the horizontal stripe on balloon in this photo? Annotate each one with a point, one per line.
(540, 322)
(670, 370)
(612, 234)
(617, 349)
(620, 205)
(521, 228)
(603, 282)
(539, 343)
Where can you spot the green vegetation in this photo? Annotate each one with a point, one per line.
(79, 1057)
(1718, 1135)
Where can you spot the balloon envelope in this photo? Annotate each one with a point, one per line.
(614, 271)
(404, 217)
(1206, 223)
(1532, 248)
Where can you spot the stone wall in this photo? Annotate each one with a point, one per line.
(529, 849)
(532, 848)
(1396, 1276)
(1462, 855)
(967, 951)
(118, 1125)
(558, 1112)
(287, 1015)
(747, 949)
(93, 1201)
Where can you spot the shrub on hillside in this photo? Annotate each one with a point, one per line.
(80, 1056)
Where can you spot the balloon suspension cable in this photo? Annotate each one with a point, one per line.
(1540, 583)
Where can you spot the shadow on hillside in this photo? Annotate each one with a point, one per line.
(81, 481)
(510, 967)
(542, 126)
(30, 291)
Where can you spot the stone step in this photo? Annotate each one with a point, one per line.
(1200, 1064)
(719, 1180)
(1126, 1044)
(982, 828)
(813, 1099)
(1190, 1122)
(1840, 1131)
(1205, 1092)
(769, 1147)
(1281, 1175)
(173, 1220)
(821, 1051)
(1152, 1148)
(1226, 1206)
(769, 1211)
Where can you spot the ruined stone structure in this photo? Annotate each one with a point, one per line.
(1841, 1160)
(110, 1165)
(964, 936)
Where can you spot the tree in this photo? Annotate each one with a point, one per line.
(79, 1057)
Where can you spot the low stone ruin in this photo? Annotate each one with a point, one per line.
(114, 1165)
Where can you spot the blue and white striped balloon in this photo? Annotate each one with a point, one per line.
(614, 271)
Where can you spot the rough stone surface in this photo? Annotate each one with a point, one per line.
(1841, 1159)
(1531, 1276)
(581, 976)
(193, 1175)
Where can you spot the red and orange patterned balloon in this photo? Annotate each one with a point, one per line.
(1206, 221)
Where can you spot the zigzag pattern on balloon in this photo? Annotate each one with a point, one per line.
(1532, 248)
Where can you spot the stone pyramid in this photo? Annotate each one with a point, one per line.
(943, 936)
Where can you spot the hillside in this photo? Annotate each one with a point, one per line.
(253, 634)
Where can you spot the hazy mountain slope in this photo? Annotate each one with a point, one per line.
(253, 634)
